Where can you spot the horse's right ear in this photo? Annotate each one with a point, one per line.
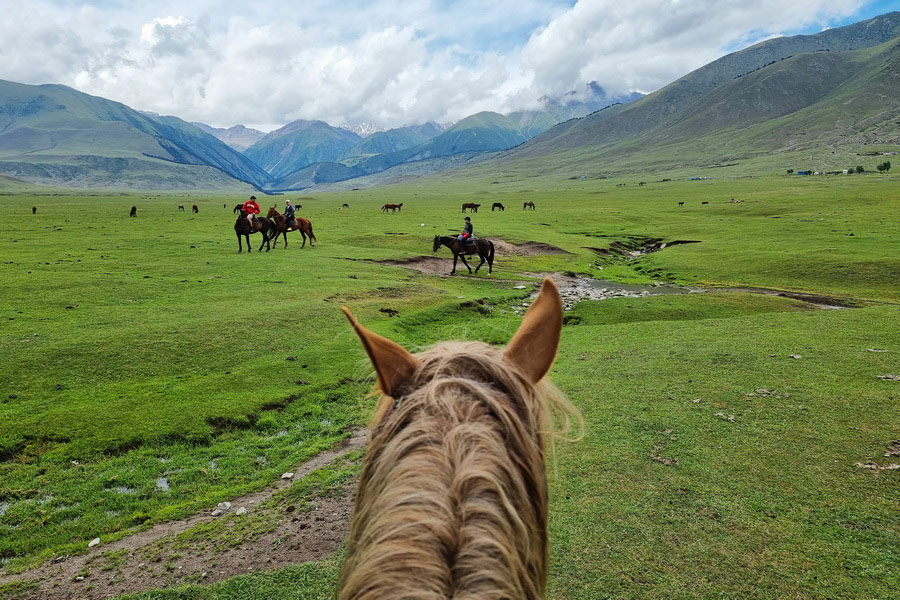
(393, 363)
(533, 348)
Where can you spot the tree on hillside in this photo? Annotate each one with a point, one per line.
(859, 169)
(884, 167)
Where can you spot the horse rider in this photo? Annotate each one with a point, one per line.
(251, 208)
(468, 234)
(289, 216)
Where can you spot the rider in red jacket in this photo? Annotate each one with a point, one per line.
(251, 208)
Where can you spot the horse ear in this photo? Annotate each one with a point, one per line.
(393, 364)
(533, 348)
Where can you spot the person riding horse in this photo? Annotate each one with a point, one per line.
(252, 209)
(289, 214)
(468, 234)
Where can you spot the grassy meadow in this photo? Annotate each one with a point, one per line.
(152, 371)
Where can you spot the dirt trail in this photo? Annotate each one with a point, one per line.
(155, 559)
(440, 264)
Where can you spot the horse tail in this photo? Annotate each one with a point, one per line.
(491, 255)
(311, 235)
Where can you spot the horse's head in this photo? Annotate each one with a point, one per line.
(456, 424)
(272, 212)
(437, 243)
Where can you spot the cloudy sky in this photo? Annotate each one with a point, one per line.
(391, 62)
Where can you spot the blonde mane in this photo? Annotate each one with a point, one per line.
(452, 499)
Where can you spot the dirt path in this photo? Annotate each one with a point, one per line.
(162, 556)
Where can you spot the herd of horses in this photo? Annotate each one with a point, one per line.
(472, 207)
(452, 499)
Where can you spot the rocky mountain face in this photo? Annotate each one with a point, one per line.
(364, 130)
(238, 137)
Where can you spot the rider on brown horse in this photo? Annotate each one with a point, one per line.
(468, 234)
(252, 209)
(289, 215)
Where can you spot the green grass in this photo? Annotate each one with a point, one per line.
(173, 361)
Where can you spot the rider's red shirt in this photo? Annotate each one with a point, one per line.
(251, 207)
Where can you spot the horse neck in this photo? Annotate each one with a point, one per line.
(452, 500)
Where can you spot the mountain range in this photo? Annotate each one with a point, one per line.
(834, 88)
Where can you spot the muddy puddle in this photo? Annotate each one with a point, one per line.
(574, 289)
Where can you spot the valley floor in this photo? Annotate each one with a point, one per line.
(738, 444)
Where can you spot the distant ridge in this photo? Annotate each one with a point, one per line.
(57, 135)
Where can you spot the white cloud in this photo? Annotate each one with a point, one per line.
(392, 62)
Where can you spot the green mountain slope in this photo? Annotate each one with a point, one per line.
(819, 97)
(55, 134)
(481, 132)
(299, 144)
(385, 142)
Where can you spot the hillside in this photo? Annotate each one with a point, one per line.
(392, 140)
(738, 97)
(481, 132)
(56, 135)
(314, 174)
(300, 144)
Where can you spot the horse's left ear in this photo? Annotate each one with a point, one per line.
(533, 348)
(392, 362)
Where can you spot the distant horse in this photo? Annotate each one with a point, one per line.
(304, 226)
(345, 205)
(498, 206)
(528, 205)
(133, 212)
(392, 207)
(260, 225)
(484, 248)
(470, 206)
(181, 207)
(194, 209)
(224, 205)
(452, 499)
(34, 210)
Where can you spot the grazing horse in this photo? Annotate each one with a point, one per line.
(260, 225)
(34, 210)
(392, 207)
(452, 499)
(133, 212)
(304, 226)
(345, 205)
(527, 205)
(471, 206)
(194, 209)
(498, 206)
(484, 248)
(181, 207)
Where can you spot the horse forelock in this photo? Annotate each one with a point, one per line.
(452, 499)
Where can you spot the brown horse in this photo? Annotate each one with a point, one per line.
(498, 206)
(304, 226)
(260, 225)
(484, 248)
(470, 206)
(195, 209)
(392, 207)
(528, 205)
(452, 499)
